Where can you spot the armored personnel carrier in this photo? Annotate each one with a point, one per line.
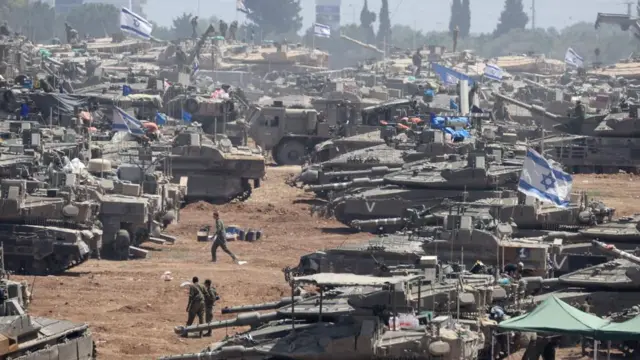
(215, 171)
(349, 309)
(602, 143)
(427, 184)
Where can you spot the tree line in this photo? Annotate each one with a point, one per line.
(281, 19)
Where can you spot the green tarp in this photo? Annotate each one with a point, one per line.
(556, 316)
(628, 330)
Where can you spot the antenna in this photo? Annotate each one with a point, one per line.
(533, 14)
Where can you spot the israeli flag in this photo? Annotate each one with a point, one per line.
(125, 122)
(195, 68)
(135, 24)
(240, 6)
(572, 58)
(542, 181)
(321, 30)
(493, 72)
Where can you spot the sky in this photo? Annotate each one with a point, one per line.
(425, 15)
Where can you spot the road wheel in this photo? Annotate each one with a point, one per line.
(290, 152)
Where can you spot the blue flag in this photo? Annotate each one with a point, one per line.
(161, 119)
(126, 90)
(186, 116)
(24, 111)
(450, 76)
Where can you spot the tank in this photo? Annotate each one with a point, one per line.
(26, 337)
(215, 171)
(45, 233)
(427, 183)
(349, 309)
(602, 143)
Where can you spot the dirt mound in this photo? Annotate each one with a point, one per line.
(131, 309)
(199, 206)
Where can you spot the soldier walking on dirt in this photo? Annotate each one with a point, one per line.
(195, 306)
(210, 298)
(220, 240)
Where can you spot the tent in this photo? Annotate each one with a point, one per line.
(556, 316)
(628, 330)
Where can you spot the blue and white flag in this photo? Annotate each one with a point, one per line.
(125, 122)
(449, 76)
(195, 68)
(542, 181)
(493, 72)
(135, 24)
(240, 6)
(320, 30)
(572, 58)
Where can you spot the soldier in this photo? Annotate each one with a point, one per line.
(456, 31)
(579, 111)
(210, 298)
(417, 62)
(195, 306)
(194, 26)
(220, 240)
(585, 307)
(4, 29)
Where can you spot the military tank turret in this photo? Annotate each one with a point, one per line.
(599, 143)
(349, 309)
(215, 171)
(427, 184)
(45, 233)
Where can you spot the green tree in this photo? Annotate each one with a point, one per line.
(96, 20)
(512, 17)
(162, 32)
(275, 17)
(182, 26)
(456, 13)
(465, 18)
(367, 18)
(384, 31)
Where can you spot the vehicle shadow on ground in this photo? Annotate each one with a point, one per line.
(339, 230)
(312, 202)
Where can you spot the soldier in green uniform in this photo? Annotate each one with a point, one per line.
(220, 239)
(210, 298)
(195, 306)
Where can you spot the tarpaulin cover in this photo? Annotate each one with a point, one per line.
(556, 316)
(438, 122)
(62, 104)
(628, 330)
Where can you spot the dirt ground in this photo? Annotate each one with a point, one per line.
(132, 312)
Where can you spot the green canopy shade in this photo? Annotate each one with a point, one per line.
(556, 316)
(628, 330)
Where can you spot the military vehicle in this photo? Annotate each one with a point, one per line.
(44, 233)
(602, 143)
(626, 21)
(329, 149)
(352, 309)
(30, 337)
(292, 133)
(427, 183)
(215, 170)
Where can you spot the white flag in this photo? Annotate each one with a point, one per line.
(493, 72)
(572, 58)
(321, 30)
(542, 181)
(135, 24)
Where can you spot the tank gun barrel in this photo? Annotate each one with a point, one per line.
(537, 84)
(534, 109)
(248, 319)
(423, 220)
(263, 306)
(345, 185)
(377, 170)
(623, 254)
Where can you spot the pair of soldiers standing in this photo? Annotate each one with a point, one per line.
(201, 302)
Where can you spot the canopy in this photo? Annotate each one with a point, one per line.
(628, 330)
(556, 316)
